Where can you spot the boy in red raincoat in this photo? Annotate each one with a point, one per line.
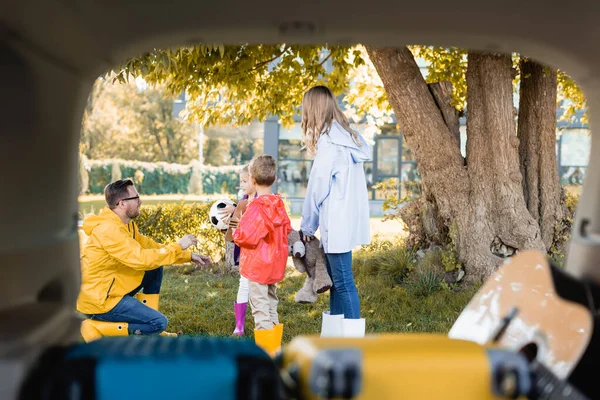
(262, 234)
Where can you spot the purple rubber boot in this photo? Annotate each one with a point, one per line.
(240, 317)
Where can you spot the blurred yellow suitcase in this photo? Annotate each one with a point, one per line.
(387, 367)
(412, 366)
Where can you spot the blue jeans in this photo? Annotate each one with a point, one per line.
(343, 296)
(142, 319)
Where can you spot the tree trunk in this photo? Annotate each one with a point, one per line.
(481, 203)
(498, 214)
(537, 148)
(442, 94)
(421, 216)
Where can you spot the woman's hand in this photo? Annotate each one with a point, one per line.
(307, 238)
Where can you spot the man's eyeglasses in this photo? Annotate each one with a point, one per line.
(132, 198)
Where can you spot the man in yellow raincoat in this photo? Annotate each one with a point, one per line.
(122, 269)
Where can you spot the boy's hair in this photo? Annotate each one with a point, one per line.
(263, 169)
(116, 191)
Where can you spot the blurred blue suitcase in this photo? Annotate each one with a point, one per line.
(155, 367)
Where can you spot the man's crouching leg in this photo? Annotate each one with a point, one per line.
(153, 326)
(151, 285)
(140, 319)
(151, 301)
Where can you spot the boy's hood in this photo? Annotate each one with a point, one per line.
(272, 210)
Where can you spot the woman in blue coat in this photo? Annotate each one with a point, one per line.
(336, 203)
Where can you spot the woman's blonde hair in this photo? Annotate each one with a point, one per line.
(319, 110)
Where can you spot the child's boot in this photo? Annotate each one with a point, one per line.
(278, 336)
(240, 317)
(94, 330)
(151, 300)
(267, 340)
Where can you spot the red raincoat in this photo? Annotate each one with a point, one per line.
(262, 236)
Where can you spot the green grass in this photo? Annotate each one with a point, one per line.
(397, 293)
(201, 303)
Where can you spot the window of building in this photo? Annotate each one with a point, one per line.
(293, 164)
(573, 154)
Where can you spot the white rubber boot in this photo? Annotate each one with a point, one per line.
(331, 325)
(353, 328)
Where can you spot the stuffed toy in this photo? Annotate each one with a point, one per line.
(309, 258)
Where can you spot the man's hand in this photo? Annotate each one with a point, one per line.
(187, 241)
(200, 259)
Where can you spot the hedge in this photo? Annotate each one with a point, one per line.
(160, 177)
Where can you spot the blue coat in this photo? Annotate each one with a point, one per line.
(336, 198)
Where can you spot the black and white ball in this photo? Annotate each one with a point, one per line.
(216, 219)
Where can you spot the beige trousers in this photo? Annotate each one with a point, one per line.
(263, 301)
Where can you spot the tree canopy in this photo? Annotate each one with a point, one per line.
(237, 84)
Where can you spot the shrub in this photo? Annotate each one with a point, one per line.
(448, 258)
(219, 181)
(426, 279)
(167, 223)
(99, 176)
(428, 274)
(387, 259)
(395, 264)
(162, 177)
(562, 231)
(158, 178)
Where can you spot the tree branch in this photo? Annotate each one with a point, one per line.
(325, 60)
(263, 63)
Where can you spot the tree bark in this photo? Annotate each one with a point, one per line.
(481, 203)
(498, 215)
(442, 93)
(537, 147)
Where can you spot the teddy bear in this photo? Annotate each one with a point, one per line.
(309, 257)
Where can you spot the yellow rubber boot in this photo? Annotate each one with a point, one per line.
(279, 332)
(151, 300)
(94, 330)
(268, 340)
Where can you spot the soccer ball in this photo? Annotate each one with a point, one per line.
(216, 219)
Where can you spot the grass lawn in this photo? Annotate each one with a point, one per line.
(201, 303)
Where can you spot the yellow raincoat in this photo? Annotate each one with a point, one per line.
(114, 259)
